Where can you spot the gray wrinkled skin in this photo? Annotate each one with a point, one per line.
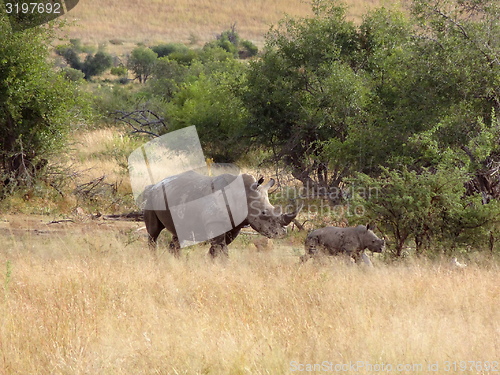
(350, 241)
(262, 215)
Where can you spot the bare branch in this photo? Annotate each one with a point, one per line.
(140, 120)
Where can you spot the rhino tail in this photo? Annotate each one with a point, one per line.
(143, 197)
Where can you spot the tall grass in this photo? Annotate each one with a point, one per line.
(99, 302)
(167, 20)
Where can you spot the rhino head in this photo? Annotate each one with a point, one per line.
(370, 239)
(262, 215)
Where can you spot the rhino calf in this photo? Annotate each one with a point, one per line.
(350, 241)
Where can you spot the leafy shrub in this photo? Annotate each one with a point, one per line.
(119, 71)
(70, 55)
(251, 48)
(212, 52)
(163, 50)
(76, 44)
(184, 58)
(73, 75)
(428, 207)
(227, 40)
(226, 45)
(209, 103)
(93, 64)
(38, 107)
(141, 62)
(97, 64)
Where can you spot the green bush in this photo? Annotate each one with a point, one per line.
(76, 44)
(38, 107)
(163, 50)
(97, 64)
(429, 208)
(70, 55)
(212, 52)
(141, 62)
(184, 57)
(249, 47)
(73, 74)
(229, 41)
(211, 105)
(119, 71)
(92, 65)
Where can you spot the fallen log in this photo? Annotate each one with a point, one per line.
(131, 216)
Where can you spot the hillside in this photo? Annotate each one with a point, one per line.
(186, 20)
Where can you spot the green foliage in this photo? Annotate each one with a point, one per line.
(249, 47)
(171, 74)
(428, 207)
(163, 50)
(228, 41)
(307, 89)
(97, 64)
(141, 62)
(70, 54)
(38, 105)
(93, 65)
(330, 98)
(108, 100)
(167, 77)
(437, 69)
(73, 74)
(211, 105)
(212, 53)
(119, 71)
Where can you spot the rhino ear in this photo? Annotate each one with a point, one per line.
(260, 181)
(370, 226)
(268, 185)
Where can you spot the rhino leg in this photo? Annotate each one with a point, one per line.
(218, 246)
(311, 248)
(153, 226)
(366, 259)
(231, 235)
(362, 257)
(174, 247)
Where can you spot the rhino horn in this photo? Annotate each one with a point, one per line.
(288, 218)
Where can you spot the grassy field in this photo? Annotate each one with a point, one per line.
(90, 298)
(186, 20)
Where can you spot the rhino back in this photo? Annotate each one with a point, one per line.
(328, 237)
(335, 239)
(181, 189)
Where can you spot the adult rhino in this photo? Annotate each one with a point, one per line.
(163, 198)
(351, 241)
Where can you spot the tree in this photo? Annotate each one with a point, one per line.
(213, 105)
(141, 62)
(97, 64)
(306, 89)
(38, 106)
(93, 65)
(429, 207)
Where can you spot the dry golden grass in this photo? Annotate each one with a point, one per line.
(97, 301)
(176, 21)
(93, 152)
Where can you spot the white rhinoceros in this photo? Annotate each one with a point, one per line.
(351, 241)
(173, 199)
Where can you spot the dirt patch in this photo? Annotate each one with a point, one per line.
(42, 225)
